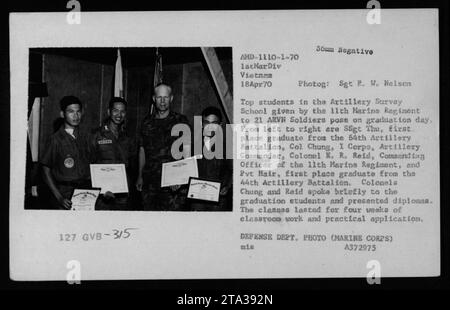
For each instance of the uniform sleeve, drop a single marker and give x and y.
(184, 120)
(132, 146)
(92, 146)
(227, 172)
(48, 155)
(139, 140)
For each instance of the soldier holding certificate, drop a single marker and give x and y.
(111, 145)
(214, 169)
(155, 145)
(65, 161)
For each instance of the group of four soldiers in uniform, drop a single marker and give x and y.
(65, 161)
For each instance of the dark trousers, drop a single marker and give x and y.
(221, 205)
(155, 198)
(119, 203)
(66, 191)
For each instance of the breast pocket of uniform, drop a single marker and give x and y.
(105, 149)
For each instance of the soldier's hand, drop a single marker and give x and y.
(174, 188)
(223, 191)
(66, 203)
(139, 183)
(109, 195)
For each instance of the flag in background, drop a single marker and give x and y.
(118, 81)
(158, 74)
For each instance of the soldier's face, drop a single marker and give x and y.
(211, 123)
(162, 98)
(72, 115)
(118, 113)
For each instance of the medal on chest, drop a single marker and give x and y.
(69, 162)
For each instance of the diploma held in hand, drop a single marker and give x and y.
(203, 190)
(109, 177)
(179, 172)
(84, 199)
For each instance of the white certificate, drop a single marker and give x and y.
(109, 177)
(204, 190)
(179, 172)
(84, 199)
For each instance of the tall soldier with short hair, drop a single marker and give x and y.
(155, 145)
(65, 161)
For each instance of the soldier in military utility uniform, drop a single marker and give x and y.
(65, 160)
(111, 145)
(214, 169)
(155, 144)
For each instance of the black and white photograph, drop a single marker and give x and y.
(92, 108)
(223, 145)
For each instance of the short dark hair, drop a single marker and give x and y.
(68, 100)
(117, 99)
(212, 110)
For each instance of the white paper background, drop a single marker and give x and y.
(207, 245)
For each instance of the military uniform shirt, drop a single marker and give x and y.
(157, 142)
(68, 158)
(107, 149)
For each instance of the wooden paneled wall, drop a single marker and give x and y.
(93, 84)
